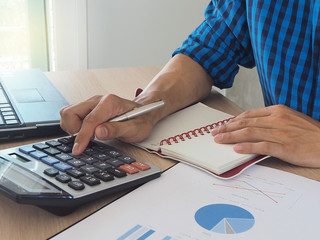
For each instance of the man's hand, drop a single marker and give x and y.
(89, 120)
(277, 131)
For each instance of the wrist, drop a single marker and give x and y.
(146, 97)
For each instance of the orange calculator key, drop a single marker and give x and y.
(140, 165)
(129, 169)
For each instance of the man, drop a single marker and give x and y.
(282, 38)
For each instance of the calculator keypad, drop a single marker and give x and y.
(98, 164)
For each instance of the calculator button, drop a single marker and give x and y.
(89, 169)
(104, 176)
(38, 155)
(26, 149)
(76, 185)
(66, 140)
(113, 153)
(9, 117)
(102, 165)
(64, 178)
(126, 159)
(51, 172)
(115, 162)
(51, 151)
(76, 163)
(40, 146)
(89, 160)
(129, 169)
(53, 143)
(6, 109)
(100, 148)
(75, 173)
(116, 172)
(101, 156)
(89, 151)
(90, 180)
(12, 121)
(62, 166)
(10, 113)
(77, 156)
(64, 148)
(50, 160)
(141, 166)
(63, 157)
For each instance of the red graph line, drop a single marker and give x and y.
(249, 189)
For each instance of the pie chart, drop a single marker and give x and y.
(224, 218)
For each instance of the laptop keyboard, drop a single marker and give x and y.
(7, 114)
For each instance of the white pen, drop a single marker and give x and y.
(137, 111)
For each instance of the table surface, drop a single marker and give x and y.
(19, 221)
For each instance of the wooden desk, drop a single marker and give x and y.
(29, 222)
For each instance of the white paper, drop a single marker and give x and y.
(182, 204)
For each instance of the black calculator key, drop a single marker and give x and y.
(75, 173)
(64, 157)
(102, 165)
(76, 163)
(64, 178)
(104, 176)
(66, 140)
(89, 160)
(51, 172)
(89, 151)
(89, 169)
(90, 180)
(100, 148)
(40, 146)
(76, 185)
(65, 148)
(77, 156)
(126, 159)
(113, 153)
(116, 172)
(115, 162)
(53, 143)
(101, 156)
(51, 151)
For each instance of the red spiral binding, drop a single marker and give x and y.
(193, 133)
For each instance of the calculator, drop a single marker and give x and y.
(48, 175)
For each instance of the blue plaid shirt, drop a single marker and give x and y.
(280, 37)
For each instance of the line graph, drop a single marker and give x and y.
(244, 185)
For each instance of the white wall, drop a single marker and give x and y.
(139, 32)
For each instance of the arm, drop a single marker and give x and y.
(180, 83)
(186, 79)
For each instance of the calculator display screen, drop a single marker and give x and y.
(21, 181)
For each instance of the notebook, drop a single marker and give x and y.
(29, 105)
(185, 136)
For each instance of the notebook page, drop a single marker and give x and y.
(190, 118)
(205, 152)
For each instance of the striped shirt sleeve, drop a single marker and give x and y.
(221, 42)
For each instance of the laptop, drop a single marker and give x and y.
(29, 105)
